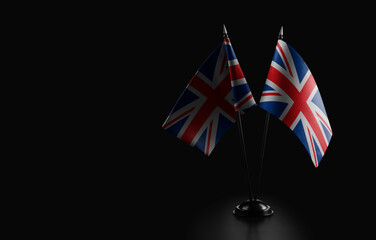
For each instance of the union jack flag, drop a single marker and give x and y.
(291, 94)
(207, 107)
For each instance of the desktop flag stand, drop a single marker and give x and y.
(218, 95)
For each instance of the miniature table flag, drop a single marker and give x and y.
(207, 107)
(291, 94)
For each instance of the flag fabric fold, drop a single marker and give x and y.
(207, 107)
(290, 93)
(243, 98)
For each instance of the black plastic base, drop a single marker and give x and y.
(252, 208)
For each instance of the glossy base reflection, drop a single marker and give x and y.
(253, 208)
(217, 222)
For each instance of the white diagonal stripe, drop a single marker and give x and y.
(233, 62)
(237, 82)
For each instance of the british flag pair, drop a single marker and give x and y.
(207, 107)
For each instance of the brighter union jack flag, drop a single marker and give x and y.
(206, 108)
(291, 94)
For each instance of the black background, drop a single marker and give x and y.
(136, 177)
(190, 196)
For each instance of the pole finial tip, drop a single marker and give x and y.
(280, 36)
(224, 31)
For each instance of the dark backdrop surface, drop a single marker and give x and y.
(173, 191)
(193, 195)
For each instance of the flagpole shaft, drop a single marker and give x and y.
(262, 152)
(245, 159)
(264, 137)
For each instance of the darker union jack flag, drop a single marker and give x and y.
(207, 107)
(291, 94)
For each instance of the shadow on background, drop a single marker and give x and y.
(217, 222)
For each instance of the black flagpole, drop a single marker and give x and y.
(264, 137)
(262, 152)
(241, 136)
(245, 159)
(254, 206)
